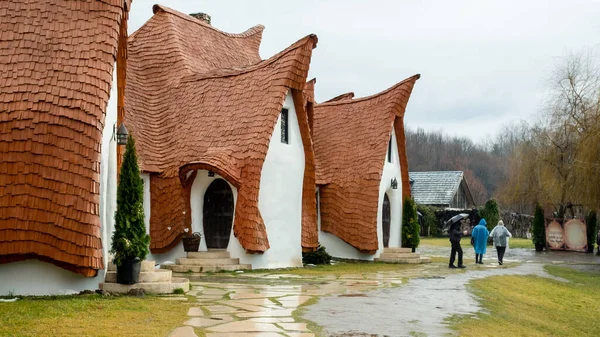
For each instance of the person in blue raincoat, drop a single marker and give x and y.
(480, 236)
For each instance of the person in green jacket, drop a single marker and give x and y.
(500, 234)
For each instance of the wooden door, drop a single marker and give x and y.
(218, 214)
(385, 221)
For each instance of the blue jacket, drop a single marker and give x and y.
(480, 235)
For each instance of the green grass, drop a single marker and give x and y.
(444, 242)
(534, 306)
(91, 315)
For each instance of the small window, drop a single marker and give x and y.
(284, 126)
(389, 152)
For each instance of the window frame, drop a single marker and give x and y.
(285, 129)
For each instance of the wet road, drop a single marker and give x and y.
(420, 307)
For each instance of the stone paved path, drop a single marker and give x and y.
(247, 309)
(360, 304)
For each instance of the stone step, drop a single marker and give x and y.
(147, 265)
(425, 259)
(157, 275)
(206, 262)
(403, 261)
(390, 256)
(151, 288)
(211, 254)
(397, 250)
(178, 268)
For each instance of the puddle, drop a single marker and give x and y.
(418, 307)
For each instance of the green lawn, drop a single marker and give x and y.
(535, 306)
(91, 315)
(444, 242)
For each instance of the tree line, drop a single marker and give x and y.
(553, 160)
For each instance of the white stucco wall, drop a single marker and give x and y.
(34, 277)
(280, 199)
(339, 248)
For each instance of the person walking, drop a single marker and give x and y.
(500, 234)
(455, 236)
(480, 235)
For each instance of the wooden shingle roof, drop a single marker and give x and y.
(436, 187)
(56, 61)
(351, 137)
(216, 113)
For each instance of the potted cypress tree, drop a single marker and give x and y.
(539, 229)
(129, 240)
(410, 225)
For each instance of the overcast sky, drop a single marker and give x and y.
(482, 63)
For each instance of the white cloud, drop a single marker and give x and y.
(482, 62)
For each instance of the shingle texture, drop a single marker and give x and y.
(57, 59)
(350, 139)
(199, 98)
(436, 187)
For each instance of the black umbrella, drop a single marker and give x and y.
(455, 219)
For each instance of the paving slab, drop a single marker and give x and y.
(202, 322)
(294, 326)
(221, 309)
(195, 312)
(268, 313)
(243, 334)
(185, 331)
(245, 326)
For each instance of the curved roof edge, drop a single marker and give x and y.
(339, 102)
(253, 30)
(230, 72)
(343, 97)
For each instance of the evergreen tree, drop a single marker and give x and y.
(539, 227)
(129, 240)
(592, 229)
(410, 224)
(490, 213)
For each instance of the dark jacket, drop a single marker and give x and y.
(455, 234)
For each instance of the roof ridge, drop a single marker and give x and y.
(249, 32)
(366, 98)
(341, 97)
(227, 72)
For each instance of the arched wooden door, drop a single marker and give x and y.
(218, 214)
(385, 221)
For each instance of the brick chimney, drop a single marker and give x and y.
(201, 16)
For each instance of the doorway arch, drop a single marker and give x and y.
(217, 214)
(386, 220)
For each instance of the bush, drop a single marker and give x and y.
(410, 224)
(592, 230)
(539, 226)
(430, 222)
(491, 213)
(129, 241)
(319, 256)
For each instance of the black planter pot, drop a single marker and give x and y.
(539, 247)
(129, 271)
(414, 249)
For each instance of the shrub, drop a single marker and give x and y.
(491, 213)
(410, 224)
(178, 291)
(430, 222)
(319, 256)
(539, 226)
(129, 241)
(592, 230)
